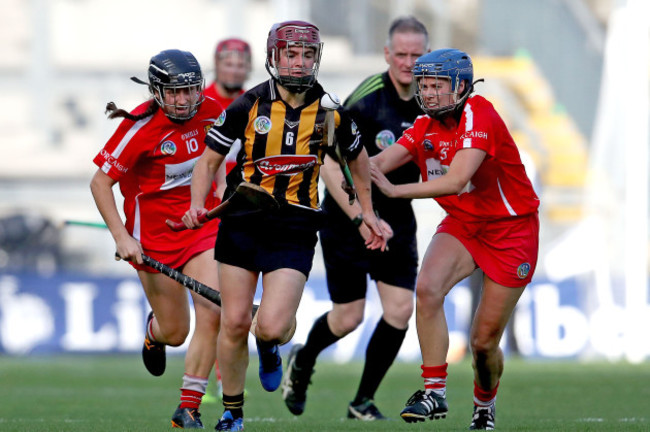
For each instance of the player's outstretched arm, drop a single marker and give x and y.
(391, 158)
(333, 177)
(455, 181)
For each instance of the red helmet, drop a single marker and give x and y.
(233, 45)
(232, 63)
(293, 33)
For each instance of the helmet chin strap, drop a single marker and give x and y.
(457, 108)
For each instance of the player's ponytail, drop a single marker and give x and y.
(115, 112)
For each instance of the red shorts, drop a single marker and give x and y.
(193, 243)
(505, 249)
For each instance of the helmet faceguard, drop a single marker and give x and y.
(172, 75)
(293, 34)
(450, 64)
(229, 72)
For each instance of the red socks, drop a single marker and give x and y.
(190, 399)
(192, 391)
(484, 397)
(435, 378)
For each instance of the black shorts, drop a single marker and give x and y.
(268, 241)
(348, 262)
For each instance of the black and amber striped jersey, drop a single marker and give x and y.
(282, 147)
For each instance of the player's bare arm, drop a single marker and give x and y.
(360, 169)
(333, 177)
(202, 177)
(126, 246)
(391, 158)
(460, 172)
(220, 179)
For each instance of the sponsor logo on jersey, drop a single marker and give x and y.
(384, 139)
(168, 148)
(474, 134)
(434, 168)
(221, 119)
(111, 160)
(286, 164)
(190, 134)
(408, 137)
(178, 174)
(262, 125)
(523, 270)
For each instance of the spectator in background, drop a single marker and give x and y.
(383, 106)
(232, 67)
(151, 156)
(471, 166)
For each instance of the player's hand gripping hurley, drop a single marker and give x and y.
(330, 103)
(245, 192)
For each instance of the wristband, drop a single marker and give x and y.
(358, 220)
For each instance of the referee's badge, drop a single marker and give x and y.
(262, 125)
(384, 139)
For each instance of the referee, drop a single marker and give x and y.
(383, 106)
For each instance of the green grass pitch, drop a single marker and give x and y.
(115, 393)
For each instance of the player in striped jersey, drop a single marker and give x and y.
(383, 106)
(281, 124)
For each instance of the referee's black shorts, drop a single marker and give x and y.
(269, 240)
(348, 262)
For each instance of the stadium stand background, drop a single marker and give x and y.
(64, 59)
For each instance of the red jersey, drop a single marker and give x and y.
(211, 92)
(152, 159)
(500, 187)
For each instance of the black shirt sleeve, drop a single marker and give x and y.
(348, 135)
(230, 126)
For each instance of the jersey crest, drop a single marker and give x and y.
(262, 125)
(221, 119)
(168, 148)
